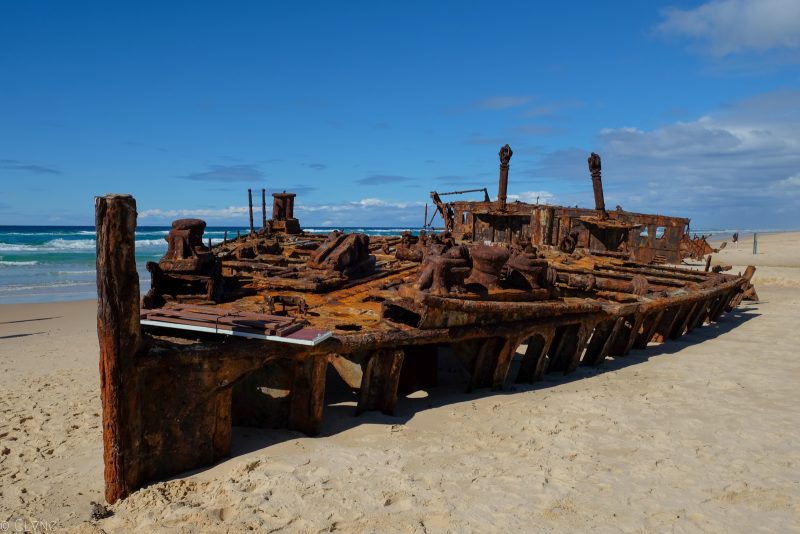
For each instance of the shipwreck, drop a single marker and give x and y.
(223, 326)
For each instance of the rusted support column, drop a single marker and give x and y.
(308, 395)
(700, 311)
(250, 206)
(225, 238)
(504, 358)
(505, 156)
(728, 303)
(597, 184)
(264, 208)
(602, 333)
(665, 326)
(708, 263)
(379, 385)
(484, 364)
(638, 321)
(118, 332)
(648, 329)
(534, 361)
(619, 346)
(565, 355)
(679, 326)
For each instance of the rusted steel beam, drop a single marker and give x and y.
(534, 360)
(638, 321)
(479, 356)
(620, 343)
(120, 336)
(649, 326)
(503, 363)
(600, 335)
(379, 385)
(308, 395)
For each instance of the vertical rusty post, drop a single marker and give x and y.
(597, 184)
(505, 156)
(118, 332)
(250, 205)
(755, 243)
(209, 242)
(264, 208)
(708, 263)
(225, 238)
(425, 218)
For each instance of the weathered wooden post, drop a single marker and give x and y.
(755, 243)
(118, 331)
(225, 238)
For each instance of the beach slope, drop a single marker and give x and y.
(698, 434)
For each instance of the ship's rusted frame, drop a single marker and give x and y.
(167, 398)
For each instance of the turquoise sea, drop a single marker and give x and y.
(53, 263)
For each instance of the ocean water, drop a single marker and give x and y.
(54, 263)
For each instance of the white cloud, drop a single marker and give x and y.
(216, 213)
(736, 165)
(533, 197)
(731, 26)
(364, 212)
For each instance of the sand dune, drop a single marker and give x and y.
(699, 434)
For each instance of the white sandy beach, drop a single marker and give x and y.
(698, 434)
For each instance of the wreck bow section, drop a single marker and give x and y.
(246, 331)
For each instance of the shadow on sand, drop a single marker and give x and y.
(340, 402)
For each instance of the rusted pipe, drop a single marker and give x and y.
(263, 208)
(250, 206)
(597, 184)
(505, 156)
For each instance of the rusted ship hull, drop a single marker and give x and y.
(274, 309)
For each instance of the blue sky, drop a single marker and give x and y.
(362, 108)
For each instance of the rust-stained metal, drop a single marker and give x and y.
(188, 268)
(283, 219)
(646, 238)
(561, 287)
(502, 190)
